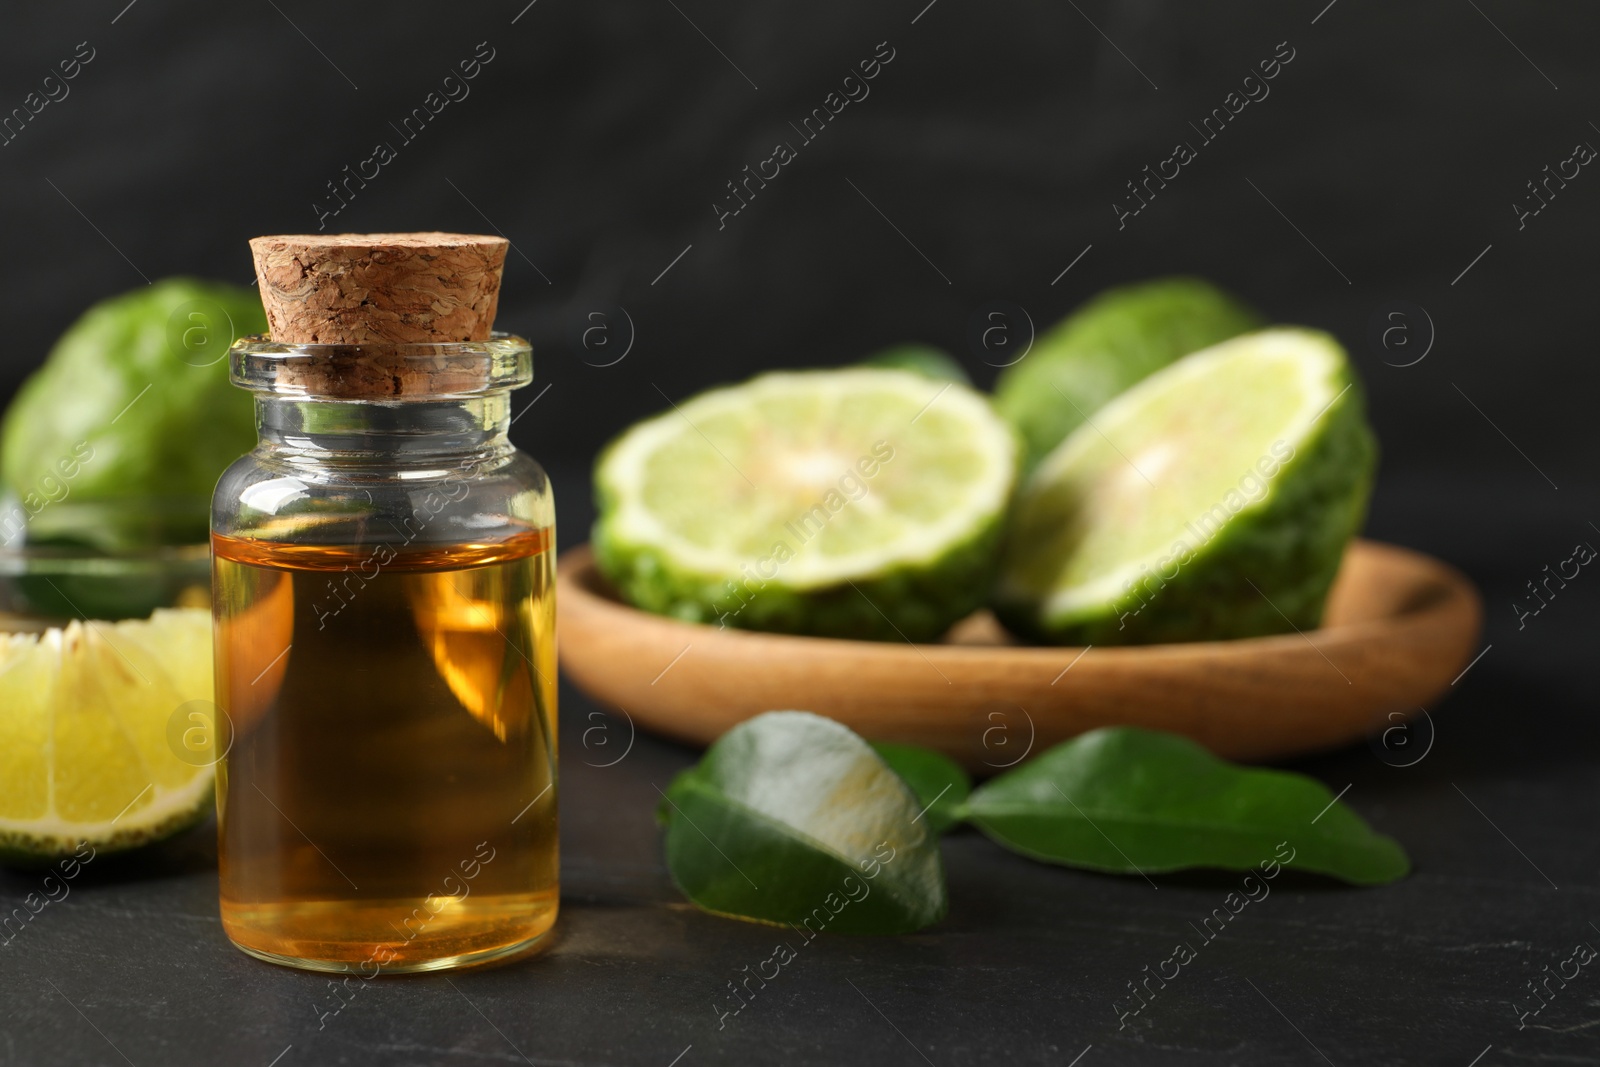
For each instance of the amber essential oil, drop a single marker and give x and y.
(388, 797)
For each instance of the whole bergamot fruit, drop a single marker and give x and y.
(133, 402)
(926, 360)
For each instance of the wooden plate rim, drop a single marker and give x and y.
(577, 577)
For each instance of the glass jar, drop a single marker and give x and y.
(384, 602)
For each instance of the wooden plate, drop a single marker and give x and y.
(1400, 627)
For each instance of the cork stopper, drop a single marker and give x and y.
(379, 290)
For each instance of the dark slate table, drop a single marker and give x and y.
(1033, 964)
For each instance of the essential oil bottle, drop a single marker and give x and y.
(384, 600)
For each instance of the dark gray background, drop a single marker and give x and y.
(996, 142)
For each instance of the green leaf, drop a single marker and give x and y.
(938, 781)
(792, 819)
(1137, 801)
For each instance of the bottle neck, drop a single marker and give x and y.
(395, 434)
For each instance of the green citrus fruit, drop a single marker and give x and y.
(133, 403)
(860, 503)
(89, 752)
(1212, 500)
(925, 360)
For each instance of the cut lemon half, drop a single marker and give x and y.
(106, 734)
(1212, 500)
(864, 502)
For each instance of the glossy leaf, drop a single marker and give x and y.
(938, 781)
(1136, 801)
(792, 819)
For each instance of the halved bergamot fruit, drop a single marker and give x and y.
(863, 502)
(86, 734)
(1212, 500)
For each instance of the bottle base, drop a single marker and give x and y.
(328, 935)
(482, 957)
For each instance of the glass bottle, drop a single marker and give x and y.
(384, 601)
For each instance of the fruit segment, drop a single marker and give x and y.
(86, 740)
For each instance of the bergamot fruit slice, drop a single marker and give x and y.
(1212, 500)
(863, 502)
(1108, 344)
(86, 734)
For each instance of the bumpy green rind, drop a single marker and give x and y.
(914, 601)
(133, 402)
(1118, 338)
(1290, 547)
(30, 850)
